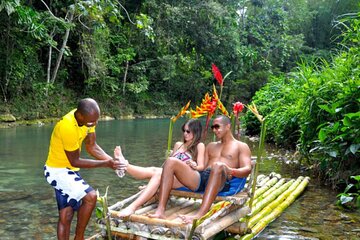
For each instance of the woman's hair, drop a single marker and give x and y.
(196, 129)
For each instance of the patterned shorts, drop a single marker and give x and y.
(69, 186)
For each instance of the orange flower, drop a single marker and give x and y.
(223, 109)
(220, 105)
(182, 112)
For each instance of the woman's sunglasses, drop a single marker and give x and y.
(187, 131)
(216, 126)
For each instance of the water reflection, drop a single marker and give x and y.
(28, 208)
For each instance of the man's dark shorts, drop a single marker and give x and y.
(204, 178)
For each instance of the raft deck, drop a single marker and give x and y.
(180, 203)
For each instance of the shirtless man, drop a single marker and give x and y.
(224, 159)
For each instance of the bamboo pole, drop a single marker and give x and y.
(262, 202)
(223, 222)
(240, 197)
(157, 221)
(265, 187)
(267, 209)
(121, 204)
(265, 220)
(269, 198)
(265, 190)
(269, 191)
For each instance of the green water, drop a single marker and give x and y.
(28, 209)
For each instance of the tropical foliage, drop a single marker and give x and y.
(350, 198)
(145, 57)
(317, 108)
(138, 56)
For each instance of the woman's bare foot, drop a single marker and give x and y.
(118, 153)
(124, 163)
(126, 212)
(142, 187)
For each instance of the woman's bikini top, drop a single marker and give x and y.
(183, 156)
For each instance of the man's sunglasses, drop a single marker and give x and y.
(216, 126)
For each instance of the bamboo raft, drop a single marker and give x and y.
(272, 195)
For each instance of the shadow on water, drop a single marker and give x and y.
(28, 209)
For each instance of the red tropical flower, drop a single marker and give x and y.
(238, 108)
(217, 74)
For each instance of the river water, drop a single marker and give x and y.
(28, 209)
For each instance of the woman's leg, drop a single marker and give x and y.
(174, 169)
(148, 192)
(142, 172)
(136, 171)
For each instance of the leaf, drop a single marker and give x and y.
(358, 201)
(326, 108)
(357, 178)
(333, 154)
(347, 121)
(322, 135)
(345, 199)
(348, 187)
(338, 110)
(354, 148)
(99, 212)
(353, 115)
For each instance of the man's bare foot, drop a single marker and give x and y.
(157, 215)
(188, 219)
(126, 212)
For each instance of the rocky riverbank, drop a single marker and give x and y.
(8, 120)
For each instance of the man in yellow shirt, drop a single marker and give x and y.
(62, 167)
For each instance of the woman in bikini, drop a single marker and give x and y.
(190, 151)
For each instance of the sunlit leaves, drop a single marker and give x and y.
(9, 5)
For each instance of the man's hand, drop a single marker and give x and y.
(118, 165)
(192, 164)
(229, 172)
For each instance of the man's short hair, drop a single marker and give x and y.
(224, 119)
(87, 106)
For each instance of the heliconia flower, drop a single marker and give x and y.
(217, 74)
(238, 107)
(215, 95)
(199, 112)
(223, 109)
(182, 112)
(254, 110)
(220, 105)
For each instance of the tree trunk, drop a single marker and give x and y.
(8, 53)
(61, 53)
(125, 76)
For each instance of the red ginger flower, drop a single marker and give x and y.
(217, 74)
(238, 108)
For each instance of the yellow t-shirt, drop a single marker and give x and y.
(67, 135)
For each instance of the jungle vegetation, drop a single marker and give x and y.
(151, 57)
